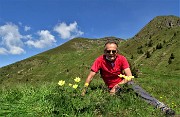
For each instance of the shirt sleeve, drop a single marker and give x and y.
(96, 65)
(125, 63)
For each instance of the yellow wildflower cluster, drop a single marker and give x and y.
(86, 84)
(77, 79)
(61, 82)
(75, 86)
(128, 78)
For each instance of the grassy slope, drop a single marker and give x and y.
(52, 100)
(75, 57)
(156, 75)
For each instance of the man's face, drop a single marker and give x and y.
(111, 51)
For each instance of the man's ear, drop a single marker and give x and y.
(117, 51)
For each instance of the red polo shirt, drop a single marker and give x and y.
(110, 70)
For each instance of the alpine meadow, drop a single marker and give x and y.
(50, 83)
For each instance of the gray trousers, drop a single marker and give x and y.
(144, 95)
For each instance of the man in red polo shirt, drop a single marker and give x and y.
(111, 64)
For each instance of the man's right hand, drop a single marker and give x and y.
(85, 88)
(113, 90)
(83, 92)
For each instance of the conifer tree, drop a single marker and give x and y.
(148, 55)
(170, 61)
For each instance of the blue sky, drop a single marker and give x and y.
(29, 27)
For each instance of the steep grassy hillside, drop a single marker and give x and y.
(155, 44)
(155, 47)
(73, 58)
(29, 87)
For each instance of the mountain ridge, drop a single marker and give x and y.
(75, 57)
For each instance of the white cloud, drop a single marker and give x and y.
(68, 32)
(27, 37)
(45, 39)
(3, 51)
(26, 28)
(16, 50)
(10, 38)
(12, 42)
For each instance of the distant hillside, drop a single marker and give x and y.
(66, 61)
(155, 47)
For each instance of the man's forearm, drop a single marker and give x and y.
(88, 81)
(127, 73)
(90, 76)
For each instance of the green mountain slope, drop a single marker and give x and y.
(159, 39)
(71, 59)
(75, 57)
(30, 87)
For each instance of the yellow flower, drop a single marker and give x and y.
(70, 84)
(161, 97)
(86, 84)
(75, 86)
(126, 77)
(77, 79)
(61, 82)
(120, 75)
(129, 78)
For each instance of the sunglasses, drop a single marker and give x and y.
(109, 51)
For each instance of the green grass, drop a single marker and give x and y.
(163, 86)
(50, 99)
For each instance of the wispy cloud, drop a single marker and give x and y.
(3, 51)
(26, 28)
(68, 31)
(10, 39)
(45, 39)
